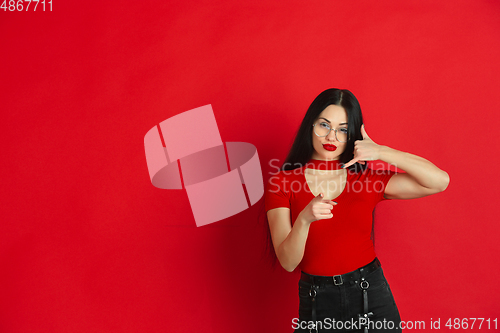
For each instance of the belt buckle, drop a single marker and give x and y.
(337, 280)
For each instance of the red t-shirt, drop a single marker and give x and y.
(341, 244)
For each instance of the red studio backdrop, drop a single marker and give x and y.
(88, 244)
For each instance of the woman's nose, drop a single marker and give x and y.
(331, 136)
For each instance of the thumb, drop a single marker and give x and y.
(321, 198)
(363, 132)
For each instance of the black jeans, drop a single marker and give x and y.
(338, 307)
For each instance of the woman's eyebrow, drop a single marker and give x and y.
(331, 122)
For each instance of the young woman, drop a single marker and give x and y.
(320, 213)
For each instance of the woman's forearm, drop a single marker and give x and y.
(291, 250)
(422, 170)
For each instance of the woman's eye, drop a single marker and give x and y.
(343, 130)
(324, 125)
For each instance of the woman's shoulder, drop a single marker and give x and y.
(372, 173)
(284, 178)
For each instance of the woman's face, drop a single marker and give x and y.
(328, 147)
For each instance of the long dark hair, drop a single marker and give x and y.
(302, 148)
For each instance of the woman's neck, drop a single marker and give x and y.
(324, 165)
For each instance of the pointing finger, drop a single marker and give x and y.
(348, 164)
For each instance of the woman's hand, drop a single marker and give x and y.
(364, 150)
(317, 209)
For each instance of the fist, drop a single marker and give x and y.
(318, 209)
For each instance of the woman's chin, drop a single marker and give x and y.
(334, 155)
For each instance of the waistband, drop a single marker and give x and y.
(337, 280)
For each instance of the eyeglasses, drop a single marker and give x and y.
(322, 129)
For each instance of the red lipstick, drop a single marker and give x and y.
(330, 147)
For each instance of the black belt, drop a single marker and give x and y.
(338, 280)
(354, 277)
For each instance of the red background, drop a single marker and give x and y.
(89, 245)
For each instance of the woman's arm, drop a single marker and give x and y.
(290, 242)
(422, 178)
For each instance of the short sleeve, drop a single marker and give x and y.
(380, 179)
(276, 195)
